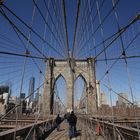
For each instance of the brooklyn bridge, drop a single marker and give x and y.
(70, 57)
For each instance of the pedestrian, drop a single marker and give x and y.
(65, 117)
(72, 120)
(57, 122)
(68, 114)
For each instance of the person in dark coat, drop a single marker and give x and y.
(65, 117)
(72, 120)
(57, 122)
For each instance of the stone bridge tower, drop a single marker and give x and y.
(84, 68)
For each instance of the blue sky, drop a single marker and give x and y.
(12, 66)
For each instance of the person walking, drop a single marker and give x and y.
(57, 122)
(65, 117)
(72, 120)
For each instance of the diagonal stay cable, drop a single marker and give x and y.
(24, 67)
(62, 43)
(82, 20)
(47, 23)
(104, 19)
(121, 31)
(127, 70)
(22, 55)
(120, 57)
(119, 94)
(37, 90)
(38, 67)
(3, 116)
(99, 44)
(106, 64)
(58, 15)
(27, 53)
(92, 20)
(23, 22)
(15, 27)
(41, 38)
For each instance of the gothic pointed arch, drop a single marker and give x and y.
(58, 76)
(83, 78)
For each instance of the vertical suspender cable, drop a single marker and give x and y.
(23, 72)
(66, 31)
(126, 64)
(107, 74)
(92, 29)
(75, 29)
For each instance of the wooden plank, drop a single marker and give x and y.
(21, 131)
(84, 133)
(62, 134)
(4, 126)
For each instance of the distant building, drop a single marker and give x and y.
(12, 99)
(37, 96)
(117, 104)
(12, 103)
(122, 100)
(3, 103)
(4, 89)
(5, 92)
(31, 88)
(22, 96)
(40, 102)
(6, 98)
(98, 93)
(103, 100)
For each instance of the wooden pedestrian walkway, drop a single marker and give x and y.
(83, 133)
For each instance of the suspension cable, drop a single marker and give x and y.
(75, 29)
(86, 22)
(106, 63)
(54, 25)
(32, 44)
(122, 30)
(103, 20)
(65, 24)
(46, 23)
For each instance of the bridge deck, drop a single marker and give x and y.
(83, 133)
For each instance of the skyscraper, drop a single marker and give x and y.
(37, 96)
(122, 99)
(31, 88)
(98, 93)
(103, 100)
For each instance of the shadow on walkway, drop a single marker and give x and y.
(78, 133)
(61, 130)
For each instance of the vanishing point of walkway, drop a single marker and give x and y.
(83, 133)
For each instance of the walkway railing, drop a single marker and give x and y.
(35, 131)
(110, 130)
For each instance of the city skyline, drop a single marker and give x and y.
(31, 88)
(12, 66)
(77, 60)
